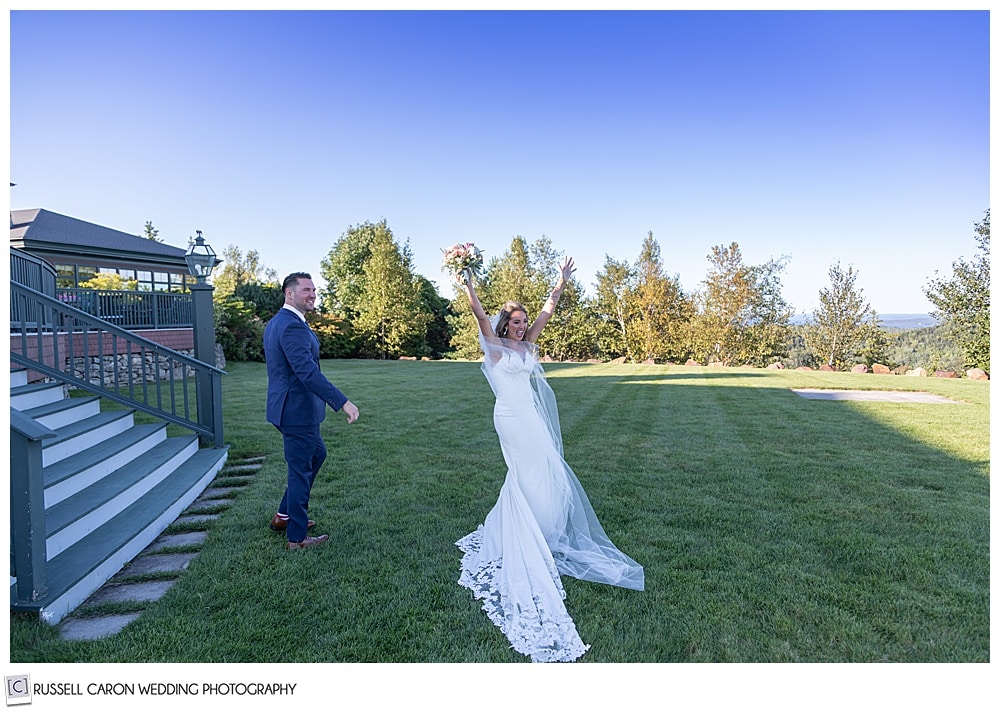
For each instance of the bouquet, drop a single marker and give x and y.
(460, 258)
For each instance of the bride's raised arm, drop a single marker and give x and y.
(550, 304)
(477, 309)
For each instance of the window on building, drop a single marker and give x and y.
(176, 282)
(65, 275)
(85, 273)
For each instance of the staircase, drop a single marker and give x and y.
(111, 486)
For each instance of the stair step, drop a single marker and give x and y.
(35, 395)
(72, 474)
(75, 517)
(74, 438)
(63, 412)
(18, 377)
(85, 566)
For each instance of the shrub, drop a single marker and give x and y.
(336, 336)
(239, 331)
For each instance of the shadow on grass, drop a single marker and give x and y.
(772, 528)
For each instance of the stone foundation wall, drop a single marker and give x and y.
(147, 367)
(110, 357)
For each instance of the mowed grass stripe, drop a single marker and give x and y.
(771, 528)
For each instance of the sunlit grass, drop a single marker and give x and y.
(771, 527)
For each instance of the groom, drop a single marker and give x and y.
(297, 396)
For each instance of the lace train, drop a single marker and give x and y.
(541, 629)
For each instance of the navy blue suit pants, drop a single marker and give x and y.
(305, 453)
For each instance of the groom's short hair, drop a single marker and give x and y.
(293, 280)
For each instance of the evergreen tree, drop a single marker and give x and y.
(438, 331)
(513, 277)
(929, 348)
(658, 307)
(526, 274)
(392, 318)
(151, 233)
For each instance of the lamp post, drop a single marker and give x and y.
(201, 260)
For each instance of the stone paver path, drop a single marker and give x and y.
(875, 396)
(126, 585)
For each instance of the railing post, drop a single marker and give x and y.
(209, 401)
(27, 507)
(156, 309)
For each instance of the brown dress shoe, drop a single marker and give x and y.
(279, 524)
(308, 542)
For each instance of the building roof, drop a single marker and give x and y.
(52, 233)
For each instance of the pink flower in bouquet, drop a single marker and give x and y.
(459, 258)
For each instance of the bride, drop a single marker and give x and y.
(542, 524)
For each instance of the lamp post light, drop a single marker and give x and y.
(201, 260)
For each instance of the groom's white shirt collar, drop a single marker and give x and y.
(294, 310)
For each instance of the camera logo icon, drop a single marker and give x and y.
(18, 690)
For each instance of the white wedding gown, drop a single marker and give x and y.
(542, 524)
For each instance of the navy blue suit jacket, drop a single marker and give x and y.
(297, 392)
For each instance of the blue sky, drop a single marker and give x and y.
(856, 136)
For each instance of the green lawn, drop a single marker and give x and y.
(772, 528)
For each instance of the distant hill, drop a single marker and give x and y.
(889, 321)
(905, 321)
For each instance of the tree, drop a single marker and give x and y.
(392, 318)
(526, 273)
(571, 332)
(246, 296)
(873, 344)
(439, 308)
(929, 348)
(151, 233)
(343, 268)
(513, 277)
(372, 287)
(335, 335)
(962, 302)
(263, 299)
(743, 319)
(839, 323)
(767, 317)
(659, 309)
(239, 269)
(612, 306)
(239, 331)
(568, 335)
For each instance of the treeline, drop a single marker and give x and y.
(376, 306)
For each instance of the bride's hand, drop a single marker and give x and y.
(568, 268)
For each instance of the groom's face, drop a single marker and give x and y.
(301, 295)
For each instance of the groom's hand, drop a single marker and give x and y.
(352, 411)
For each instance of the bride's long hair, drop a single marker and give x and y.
(503, 318)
